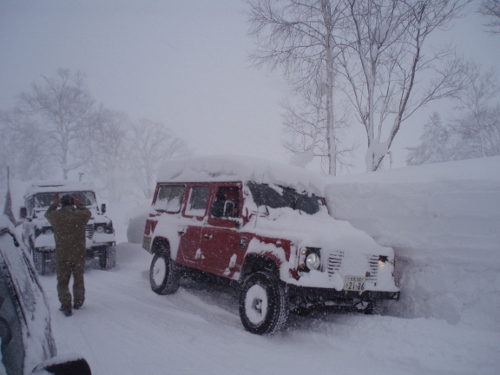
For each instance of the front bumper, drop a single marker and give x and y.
(309, 297)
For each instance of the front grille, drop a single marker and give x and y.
(89, 230)
(334, 262)
(371, 275)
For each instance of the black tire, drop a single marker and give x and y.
(263, 304)
(301, 311)
(164, 275)
(107, 258)
(39, 261)
(374, 308)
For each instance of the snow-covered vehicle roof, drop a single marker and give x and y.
(55, 186)
(220, 168)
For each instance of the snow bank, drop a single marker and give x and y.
(443, 221)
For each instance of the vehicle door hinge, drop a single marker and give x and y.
(243, 243)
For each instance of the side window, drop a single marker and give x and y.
(227, 202)
(198, 199)
(169, 198)
(44, 199)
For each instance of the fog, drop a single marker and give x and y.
(184, 64)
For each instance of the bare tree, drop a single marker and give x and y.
(25, 147)
(65, 108)
(110, 159)
(151, 143)
(384, 59)
(474, 131)
(491, 10)
(479, 122)
(305, 129)
(299, 37)
(434, 144)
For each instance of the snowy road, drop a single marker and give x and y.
(125, 328)
(443, 222)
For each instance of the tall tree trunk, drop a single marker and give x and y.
(330, 130)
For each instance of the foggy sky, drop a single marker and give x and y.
(183, 63)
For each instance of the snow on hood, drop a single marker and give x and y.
(241, 168)
(318, 230)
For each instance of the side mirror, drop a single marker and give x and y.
(103, 208)
(23, 212)
(63, 365)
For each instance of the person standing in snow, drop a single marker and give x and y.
(68, 224)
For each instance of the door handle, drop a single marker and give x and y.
(207, 236)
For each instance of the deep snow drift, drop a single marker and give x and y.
(442, 220)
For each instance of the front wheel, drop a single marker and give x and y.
(164, 275)
(263, 304)
(107, 258)
(39, 260)
(376, 307)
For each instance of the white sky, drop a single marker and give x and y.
(182, 63)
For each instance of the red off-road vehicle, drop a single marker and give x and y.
(266, 227)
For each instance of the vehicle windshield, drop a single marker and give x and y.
(43, 200)
(278, 197)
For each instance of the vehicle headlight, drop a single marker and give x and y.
(312, 261)
(382, 259)
(104, 228)
(309, 259)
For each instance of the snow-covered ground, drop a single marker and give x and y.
(443, 221)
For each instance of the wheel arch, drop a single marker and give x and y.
(257, 262)
(160, 244)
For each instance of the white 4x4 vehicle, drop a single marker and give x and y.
(37, 232)
(265, 227)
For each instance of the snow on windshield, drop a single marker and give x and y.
(240, 168)
(44, 200)
(274, 197)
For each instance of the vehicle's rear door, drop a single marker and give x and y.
(190, 252)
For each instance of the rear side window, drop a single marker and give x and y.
(169, 198)
(198, 200)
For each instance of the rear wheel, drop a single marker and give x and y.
(263, 304)
(164, 275)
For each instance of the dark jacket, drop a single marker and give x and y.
(68, 224)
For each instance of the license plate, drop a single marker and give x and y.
(354, 283)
